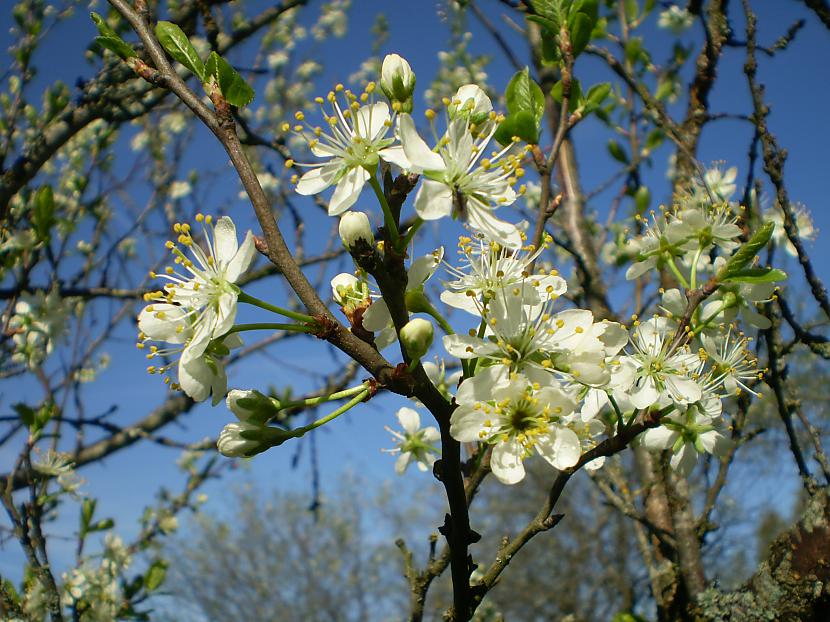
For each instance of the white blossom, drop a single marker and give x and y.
(517, 418)
(414, 444)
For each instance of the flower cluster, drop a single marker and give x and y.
(460, 179)
(39, 321)
(196, 308)
(537, 377)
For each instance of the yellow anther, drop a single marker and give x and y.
(299, 115)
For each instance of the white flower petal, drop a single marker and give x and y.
(225, 243)
(466, 424)
(348, 190)
(409, 419)
(164, 329)
(402, 462)
(242, 259)
(658, 438)
(560, 448)
(396, 155)
(434, 200)
(370, 120)
(506, 462)
(482, 218)
(377, 316)
(318, 179)
(467, 347)
(417, 151)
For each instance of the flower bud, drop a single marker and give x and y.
(251, 406)
(416, 337)
(245, 439)
(355, 227)
(397, 81)
(470, 102)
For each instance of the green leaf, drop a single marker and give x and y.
(87, 511)
(757, 275)
(746, 254)
(110, 39)
(543, 22)
(155, 575)
(581, 33)
(173, 39)
(633, 48)
(665, 87)
(642, 199)
(654, 139)
(119, 47)
(617, 151)
(596, 95)
(524, 94)
(26, 413)
(43, 215)
(102, 525)
(104, 29)
(575, 99)
(233, 86)
(521, 124)
(632, 10)
(550, 10)
(589, 8)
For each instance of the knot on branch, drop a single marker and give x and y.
(326, 327)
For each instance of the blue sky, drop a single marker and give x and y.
(797, 88)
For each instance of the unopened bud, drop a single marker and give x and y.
(470, 102)
(354, 228)
(416, 337)
(397, 81)
(243, 439)
(251, 405)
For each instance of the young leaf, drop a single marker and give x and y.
(87, 511)
(575, 99)
(521, 124)
(632, 10)
(173, 39)
(110, 40)
(757, 275)
(744, 255)
(234, 89)
(155, 575)
(581, 33)
(596, 95)
(617, 152)
(43, 215)
(524, 94)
